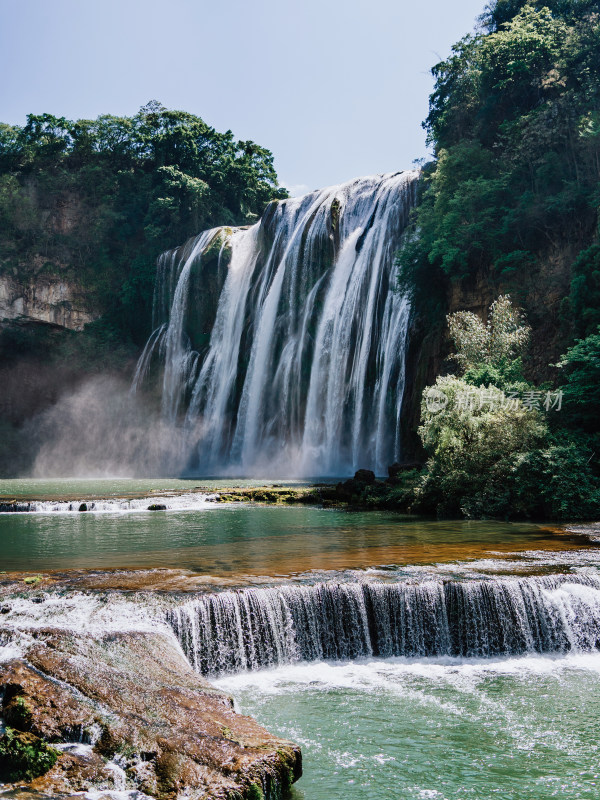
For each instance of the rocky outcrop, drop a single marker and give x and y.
(126, 711)
(43, 256)
(43, 299)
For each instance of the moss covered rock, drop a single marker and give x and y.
(23, 756)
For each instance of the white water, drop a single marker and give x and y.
(304, 372)
(255, 628)
(376, 674)
(116, 505)
(516, 728)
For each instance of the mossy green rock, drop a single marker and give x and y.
(24, 756)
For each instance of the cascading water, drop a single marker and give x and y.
(253, 628)
(283, 344)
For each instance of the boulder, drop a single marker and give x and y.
(364, 476)
(146, 716)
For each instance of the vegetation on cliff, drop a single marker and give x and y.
(511, 202)
(96, 201)
(514, 121)
(92, 204)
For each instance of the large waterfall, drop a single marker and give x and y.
(280, 347)
(253, 628)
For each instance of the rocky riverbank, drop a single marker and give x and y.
(86, 712)
(363, 491)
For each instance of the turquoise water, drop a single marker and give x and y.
(41, 488)
(523, 728)
(229, 540)
(516, 729)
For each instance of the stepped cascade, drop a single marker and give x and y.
(248, 629)
(282, 345)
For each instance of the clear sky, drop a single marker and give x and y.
(335, 89)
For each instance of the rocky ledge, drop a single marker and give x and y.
(125, 711)
(363, 491)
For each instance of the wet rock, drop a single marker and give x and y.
(364, 476)
(83, 507)
(157, 507)
(5, 610)
(135, 698)
(76, 772)
(14, 507)
(48, 709)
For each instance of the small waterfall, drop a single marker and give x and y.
(282, 345)
(249, 629)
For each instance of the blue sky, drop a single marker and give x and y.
(335, 89)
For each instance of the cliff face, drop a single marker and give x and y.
(43, 299)
(42, 260)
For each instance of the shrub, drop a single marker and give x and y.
(492, 458)
(495, 346)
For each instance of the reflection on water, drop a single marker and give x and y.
(253, 540)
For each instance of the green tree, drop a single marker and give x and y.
(514, 120)
(497, 344)
(141, 185)
(581, 367)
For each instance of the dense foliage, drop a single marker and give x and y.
(580, 367)
(514, 121)
(98, 200)
(503, 448)
(511, 202)
(23, 756)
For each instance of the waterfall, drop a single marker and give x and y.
(248, 629)
(281, 346)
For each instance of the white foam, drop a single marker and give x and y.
(113, 794)
(9, 651)
(179, 502)
(390, 674)
(75, 748)
(92, 613)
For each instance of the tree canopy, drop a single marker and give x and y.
(142, 184)
(514, 121)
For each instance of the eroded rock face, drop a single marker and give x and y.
(149, 722)
(51, 300)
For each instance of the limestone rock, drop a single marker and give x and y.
(148, 718)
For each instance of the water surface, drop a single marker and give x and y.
(245, 539)
(514, 729)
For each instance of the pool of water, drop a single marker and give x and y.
(521, 728)
(514, 729)
(83, 488)
(236, 540)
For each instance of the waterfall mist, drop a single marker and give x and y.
(101, 430)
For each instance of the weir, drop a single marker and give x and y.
(233, 631)
(282, 346)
